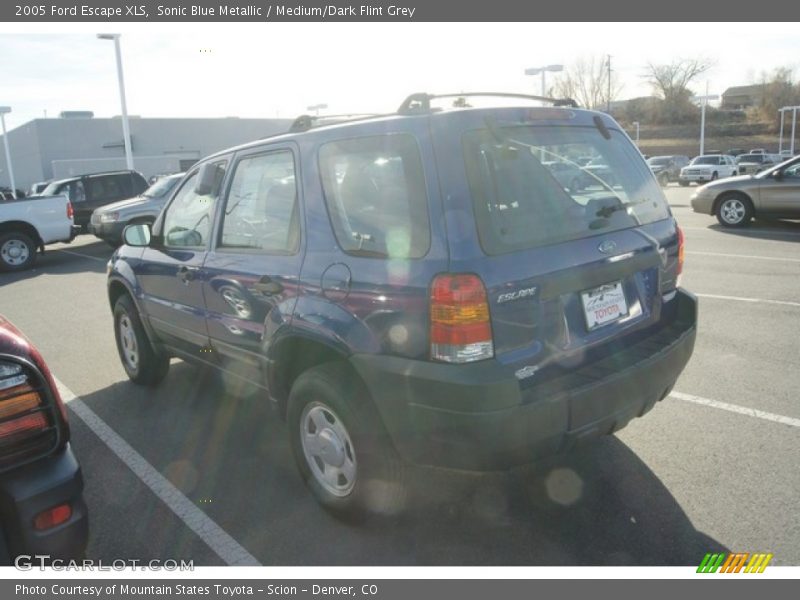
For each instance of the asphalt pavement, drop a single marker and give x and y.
(195, 469)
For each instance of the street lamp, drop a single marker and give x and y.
(543, 70)
(316, 108)
(126, 132)
(794, 110)
(4, 110)
(704, 100)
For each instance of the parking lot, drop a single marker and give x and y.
(199, 468)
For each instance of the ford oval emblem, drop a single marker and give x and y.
(607, 247)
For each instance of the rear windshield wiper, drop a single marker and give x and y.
(607, 210)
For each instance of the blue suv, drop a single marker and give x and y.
(417, 288)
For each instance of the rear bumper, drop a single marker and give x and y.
(479, 417)
(29, 490)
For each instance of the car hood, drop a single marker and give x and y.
(728, 183)
(128, 203)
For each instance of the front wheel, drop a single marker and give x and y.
(142, 364)
(734, 211)
(714, 176)
(340, 445)
(17, 251)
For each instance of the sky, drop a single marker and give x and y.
(267, 70)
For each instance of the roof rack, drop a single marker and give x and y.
(306, 122)
(421, 102)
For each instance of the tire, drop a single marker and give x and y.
(17, 251)
(714, 176)
(734, 210)
(684, 183)
(341, 448)
(143, 365)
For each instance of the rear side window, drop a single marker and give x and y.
(104, 189)
(522, 201)
(375, 192)
(261, 211)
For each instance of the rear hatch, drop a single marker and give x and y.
(569, 273)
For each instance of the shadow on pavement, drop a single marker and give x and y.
(229, 453)
(60, 260)
(782, 231)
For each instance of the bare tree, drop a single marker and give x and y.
(671, 82)
(586, 81)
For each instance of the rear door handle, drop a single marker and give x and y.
(187, 274)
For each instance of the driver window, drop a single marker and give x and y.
(792, 172)
(188, 220)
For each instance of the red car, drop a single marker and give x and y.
(41, 487)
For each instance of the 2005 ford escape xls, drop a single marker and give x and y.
(418, 287)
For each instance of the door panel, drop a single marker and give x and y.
(250, 277)
(782, 196)
(170, 272)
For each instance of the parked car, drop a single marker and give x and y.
(107, 222)
(568, 175)
(748, 164)
(758, 151)
(28, 224)
(41, 486)
(707, 167)
(37, 188)
(667, 168)
(772, 193)
(429, 294)
(88, 192)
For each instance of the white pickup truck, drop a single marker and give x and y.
(27, 224)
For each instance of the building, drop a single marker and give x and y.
(743, 96)
(77, 143)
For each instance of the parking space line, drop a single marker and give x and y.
(227, 548)
(745, 232)
(776, 258)
(81, 255)
(755, 300)
(735, 408)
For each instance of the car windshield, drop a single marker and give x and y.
(519, 203)
(161, 187)
(706, 160)
(658, 161)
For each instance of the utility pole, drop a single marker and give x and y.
(608, 99)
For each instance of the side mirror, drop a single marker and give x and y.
(208, 179)
(777, 174)
(137, 234)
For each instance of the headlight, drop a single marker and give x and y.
(109, 217)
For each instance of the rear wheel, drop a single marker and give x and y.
(340, 445)
(142, 364)
(17, 251)
(734, 210)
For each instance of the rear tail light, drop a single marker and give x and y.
(681, 252)
(460, 328)
(52, 517)
(70, 211)
(28, 421)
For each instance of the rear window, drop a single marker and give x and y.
(519, 203)
(375, 192)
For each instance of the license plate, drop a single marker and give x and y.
(604, 305)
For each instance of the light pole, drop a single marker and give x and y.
(637, 131)
(4, 110)
(126, 132)
(705, 100)
(543, 70)
(794, 110)
(316, 108)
